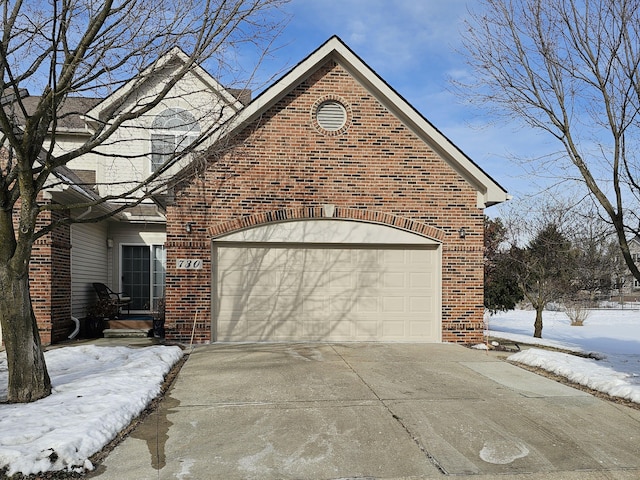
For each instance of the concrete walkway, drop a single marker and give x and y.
(383, 411)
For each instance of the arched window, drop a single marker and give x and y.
(172, 131)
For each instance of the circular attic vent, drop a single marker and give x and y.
(331, 115)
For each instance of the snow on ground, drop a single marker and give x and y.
(611, 336)
(97, 391)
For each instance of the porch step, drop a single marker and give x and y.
(125, 333)
(131, 324)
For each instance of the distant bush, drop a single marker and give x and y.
(577, 312)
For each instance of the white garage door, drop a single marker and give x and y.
(291, 293)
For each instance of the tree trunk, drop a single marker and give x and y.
(28, 376)
(537, 326)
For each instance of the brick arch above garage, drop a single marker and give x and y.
(320, 212)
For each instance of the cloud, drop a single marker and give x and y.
(399, 34)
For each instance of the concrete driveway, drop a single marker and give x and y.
(338, 411)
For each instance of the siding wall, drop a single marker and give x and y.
(125, 158)
(88, 264)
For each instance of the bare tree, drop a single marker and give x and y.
(596, 249)
(571, 69)
(88, 48)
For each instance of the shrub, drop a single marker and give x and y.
(577, 313)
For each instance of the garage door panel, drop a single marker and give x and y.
(393, 258)
(340, 280)
(231, 303)
(421, 280)
(367, 330)
(393, 280)
(302, 258)
(260, 303)
(367, 258)
(234, 278)
(370, 280)
(420, 305)
(316, 329)
(340, 304)
(314, 308)
(333, 294)
(340, 258)
(301, 281)
(366, 305)
(422, 329)
(393, 304)
(417, 257)
(394, 328)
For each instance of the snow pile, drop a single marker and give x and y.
(583, 371)
(97, 391)
(610, 336)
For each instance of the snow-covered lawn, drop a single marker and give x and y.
(611, 336)
(97, 391)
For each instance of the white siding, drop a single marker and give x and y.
(128, 151)
(88, 264)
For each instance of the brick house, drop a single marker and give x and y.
(336, 212)
(333, 211)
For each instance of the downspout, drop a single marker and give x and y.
(77, 330)
(75, 320)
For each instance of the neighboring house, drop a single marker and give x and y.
(127, 251)
(341, 214)
(628, 286)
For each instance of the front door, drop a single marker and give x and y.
(136, 275)
(143, 274)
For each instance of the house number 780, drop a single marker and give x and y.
(189, 264)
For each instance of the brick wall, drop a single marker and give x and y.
(284, 166)
(50, 280)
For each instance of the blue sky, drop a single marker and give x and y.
(414, 45)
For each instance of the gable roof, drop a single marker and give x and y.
(174, 54)
(489, 191)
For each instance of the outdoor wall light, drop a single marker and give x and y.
(189, 227)
(462, 232)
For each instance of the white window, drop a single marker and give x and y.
(172, 131)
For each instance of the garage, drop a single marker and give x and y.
(326, 280)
